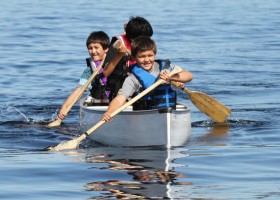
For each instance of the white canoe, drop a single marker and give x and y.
(138, 128)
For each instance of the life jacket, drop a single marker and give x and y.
(97, 90)
(117, 77)
(162, 96)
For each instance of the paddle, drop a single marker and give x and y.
(206, 104)
(73, 144)
(57, 122)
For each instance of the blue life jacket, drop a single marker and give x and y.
(163, 95)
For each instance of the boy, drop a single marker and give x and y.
(98, 44)
(144, 73)
(118, 61)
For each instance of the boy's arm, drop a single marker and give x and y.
(183, 76)
(62, 112)
(113, 58)
(116, 103)
(111, 65)
(128, 89)
(84, 77)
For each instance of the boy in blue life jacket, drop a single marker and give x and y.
(143, 74)
(97, 43)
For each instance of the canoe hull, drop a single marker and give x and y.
(138, 128)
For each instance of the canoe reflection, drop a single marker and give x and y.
(152, 172)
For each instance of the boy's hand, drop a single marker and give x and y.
(61, 115)
(165, 75)
(178, 84)
(107, 117)
(121, 48)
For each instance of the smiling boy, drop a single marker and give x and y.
(97, 44)
(144, 73)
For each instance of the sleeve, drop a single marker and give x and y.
(84, 78)
(130, 86)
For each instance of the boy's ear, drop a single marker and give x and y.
(106, 50)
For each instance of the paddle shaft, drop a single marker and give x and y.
(58, 121)
(83, 89)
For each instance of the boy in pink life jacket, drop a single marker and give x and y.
(117, 62)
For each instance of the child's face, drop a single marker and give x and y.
(146, 59)
(96, 51)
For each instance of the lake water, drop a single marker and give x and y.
(231, 47)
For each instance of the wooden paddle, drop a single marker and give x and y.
(57, 122)
(206, 104)
(73, 144)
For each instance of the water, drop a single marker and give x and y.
(232, 49)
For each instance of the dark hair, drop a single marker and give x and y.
(99, 37)
(138, 26)
(143, 43)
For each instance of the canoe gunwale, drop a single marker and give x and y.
(101, 109)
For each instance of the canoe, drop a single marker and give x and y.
(165, 127)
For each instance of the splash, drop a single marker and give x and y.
(6, 111)
(11, 114)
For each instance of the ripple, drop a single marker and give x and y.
(229, 122)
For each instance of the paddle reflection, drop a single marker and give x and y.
(151, 170)
(215, 134)
(219, 130)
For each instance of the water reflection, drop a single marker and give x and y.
(220, 130)
(152, 172)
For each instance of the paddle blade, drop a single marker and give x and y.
(55, 123)
(67, 145)
(74, 144)
(208, 105)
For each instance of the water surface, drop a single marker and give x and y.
(232, 49)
